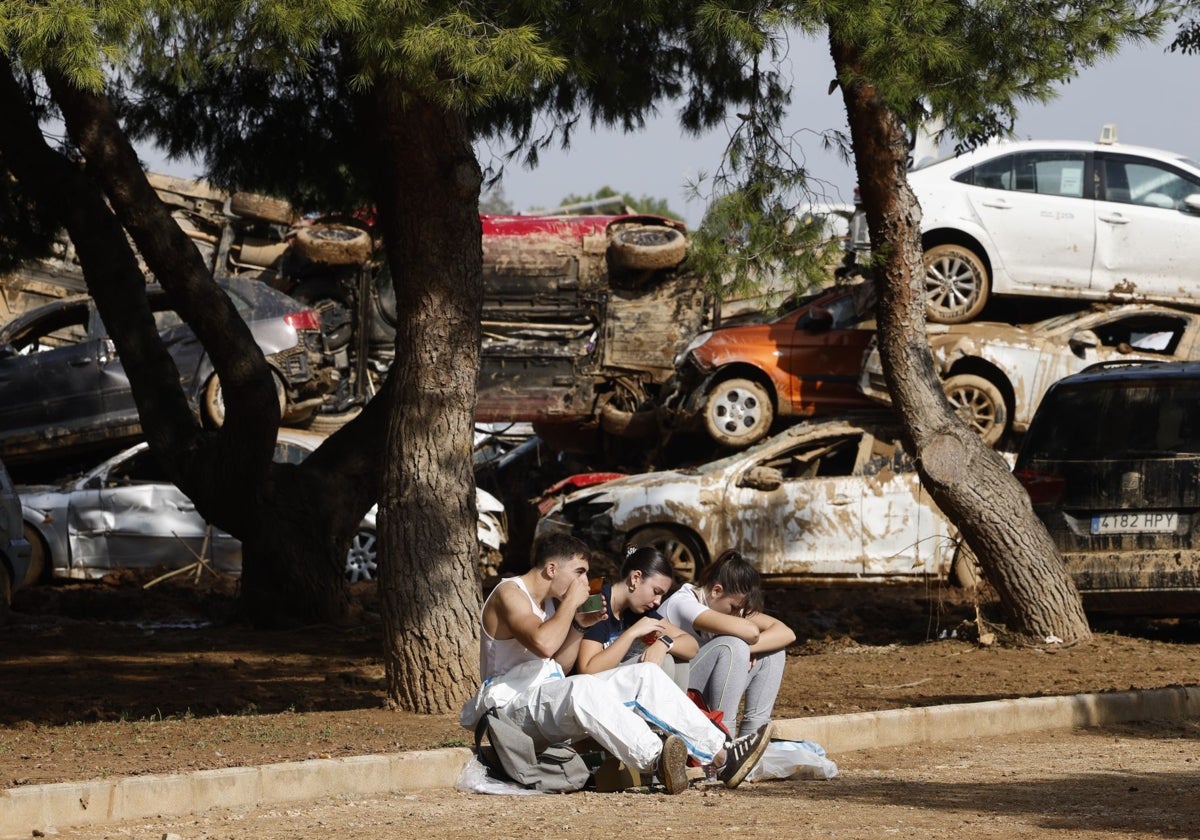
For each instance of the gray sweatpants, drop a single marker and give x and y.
(722, 673)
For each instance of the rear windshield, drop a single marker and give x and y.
(1107, 420)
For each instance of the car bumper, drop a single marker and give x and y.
(1163, 582)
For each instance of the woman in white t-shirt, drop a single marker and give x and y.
(741, 656)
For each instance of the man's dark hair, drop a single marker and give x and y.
(559, 547)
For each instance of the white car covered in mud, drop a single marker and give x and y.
(124, 513)
(833, 501)
(996, 374)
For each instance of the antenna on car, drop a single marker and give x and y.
(1108, 133)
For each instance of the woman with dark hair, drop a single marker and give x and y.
(634, 631)
(741, 651)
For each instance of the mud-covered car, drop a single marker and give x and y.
(14, 548)
(738, 380)
(63, 388)
(829, 502)
(124, 513)
(995, 374)
(1111, 462)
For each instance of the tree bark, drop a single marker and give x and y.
(427, 186)
(294, 522)
(970, 481)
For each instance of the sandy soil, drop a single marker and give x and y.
(109, 679)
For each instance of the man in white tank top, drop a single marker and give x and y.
(528, 643)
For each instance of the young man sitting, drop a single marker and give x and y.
(530, 637)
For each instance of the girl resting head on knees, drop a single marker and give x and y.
(634, 631)
(741, 649)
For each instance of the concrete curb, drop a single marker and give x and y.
(23, 809)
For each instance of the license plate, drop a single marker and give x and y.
(1135, 523)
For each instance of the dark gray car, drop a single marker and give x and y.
(1112, 465)
(63, 387)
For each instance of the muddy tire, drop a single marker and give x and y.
(326, 423)
(361, 557)
(264, 207)
(956, 284)
(646, 248)
(979, 404)
(214, 400)
(738, 413)
(964, 568)
(683, 548)
(333, 244)
(37, 558)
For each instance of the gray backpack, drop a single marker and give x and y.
(509, 755)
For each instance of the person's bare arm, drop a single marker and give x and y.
(594, 657)
(722, 624)
(773, 634)
(516, 616)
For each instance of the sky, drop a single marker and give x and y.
(1143, 91)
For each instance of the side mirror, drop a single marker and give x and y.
(1082, 341)
(815, 320)
(762, 478)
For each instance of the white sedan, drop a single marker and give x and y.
(125, 514)
(828, 501)
(1095, 221)
(995, 374)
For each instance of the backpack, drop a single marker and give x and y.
(510, 756)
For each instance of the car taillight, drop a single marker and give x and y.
(1043, 488)
(305, 319)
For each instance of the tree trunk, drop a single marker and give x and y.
(427, 185)
(294, 522)
(969, 481)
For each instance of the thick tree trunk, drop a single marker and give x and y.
(428, 198)
(970, 481)
(295, 523)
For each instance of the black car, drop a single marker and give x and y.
(62, 387)
(1111, 463)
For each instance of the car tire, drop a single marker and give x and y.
(738, 413)
(964, 568)
(328, 422)
(683, 548)
(333, 244)
(361, 556)
(956, 284)
(37, 571)
(264, 207)
(646, 248)
(214, 400)
(978, 403)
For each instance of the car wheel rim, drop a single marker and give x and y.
(975, 409)
(360, 559)
(950, 284)
(737, 412)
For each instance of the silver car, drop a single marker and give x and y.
(830, 501)
(126, 514)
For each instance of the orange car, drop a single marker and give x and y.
(805, 363)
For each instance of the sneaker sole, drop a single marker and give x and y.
(672, 765)
(748, 765)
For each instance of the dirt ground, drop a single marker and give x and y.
(110, 679)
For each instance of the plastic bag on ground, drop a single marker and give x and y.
(475, 779)
(793, 760)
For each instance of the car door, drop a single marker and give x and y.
(797, 509)
(822, 350)
(49, 375)
(1147, 240)
(1038, 210)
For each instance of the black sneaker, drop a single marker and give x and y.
(741, 757)
(672, 764)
